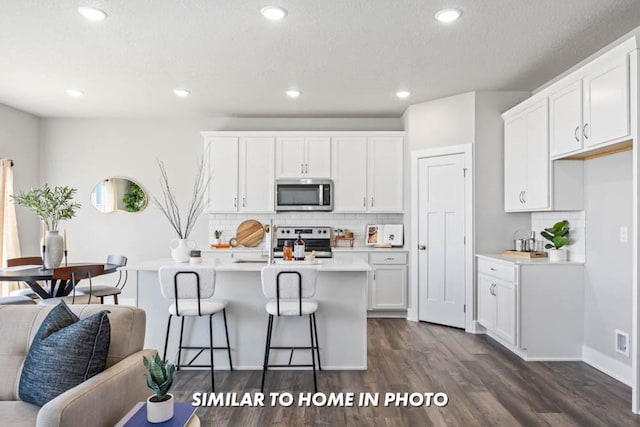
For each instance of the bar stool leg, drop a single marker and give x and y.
(226, 332)
(166, 339)
(315, 331)
(180, 344)
(313, 355)
(267, 346)
(211, 350)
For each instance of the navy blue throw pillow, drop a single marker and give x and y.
(65, 352)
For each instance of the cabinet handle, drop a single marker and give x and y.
(244, 201)
(302, 168)
(374, 275)
(306, 168)
(492, 289)
(372, 202)
(575, 133)
(524, 197)
(389, 258)
(584, 130)
(520, 197)
(235, 202)
(364, 202)
(492, 269)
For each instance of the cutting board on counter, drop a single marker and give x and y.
(250, 233)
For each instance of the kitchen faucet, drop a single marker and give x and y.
(271, 229)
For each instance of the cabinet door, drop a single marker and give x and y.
(385, 174)
(223, 173)
(349, 165)
(486, 302)
(318, 157)
(515, 162)
(256, 174)
(388, 289)
(565, 120)
(505, 311)
(606, 102)
(290, 159)
(536, 195)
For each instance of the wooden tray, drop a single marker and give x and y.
(250, 233)
(343, 238)
(529, 255)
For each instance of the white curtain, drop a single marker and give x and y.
(9, 241)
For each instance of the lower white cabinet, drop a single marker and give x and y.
(534, 308)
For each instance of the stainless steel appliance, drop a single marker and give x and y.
(304, 195)
(315, 238)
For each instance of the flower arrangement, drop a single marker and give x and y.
(52, 205)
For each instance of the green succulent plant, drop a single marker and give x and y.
(218, 233)
(159, 376)
(558, 235)
(50, 204)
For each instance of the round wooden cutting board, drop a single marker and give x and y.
(250, 233)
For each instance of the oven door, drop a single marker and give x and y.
(303, 195)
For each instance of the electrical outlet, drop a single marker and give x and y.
(624, 234)
(622, 343)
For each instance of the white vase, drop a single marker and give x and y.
(54, 249)
(159, 412)
(557, 255)
(181, 249)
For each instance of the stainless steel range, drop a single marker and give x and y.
(315, 239)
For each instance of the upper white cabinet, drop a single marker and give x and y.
(303, 157)
(590, 108)
(241, 171)
(367, 173)
(526, 159)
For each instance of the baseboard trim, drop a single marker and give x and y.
(476, 328)
(285, 368)
(608, 365)
(392, 314)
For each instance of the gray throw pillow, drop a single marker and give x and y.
(65, 352)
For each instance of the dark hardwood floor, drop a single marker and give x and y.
(486, 384)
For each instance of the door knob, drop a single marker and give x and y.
(422, 247)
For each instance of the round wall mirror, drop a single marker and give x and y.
(118, 194)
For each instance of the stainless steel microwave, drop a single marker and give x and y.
(304, 195)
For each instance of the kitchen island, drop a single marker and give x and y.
(341, 292)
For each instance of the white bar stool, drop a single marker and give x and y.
(191, 289)
(291, 288)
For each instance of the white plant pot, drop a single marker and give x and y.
(217, 241)
(557, 255)
(181, 249)
(159, 412)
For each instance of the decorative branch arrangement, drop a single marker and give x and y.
(169, 206)
(50, 204)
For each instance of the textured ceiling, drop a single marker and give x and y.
(348, 57)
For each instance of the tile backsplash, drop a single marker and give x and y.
(228, 223)
(577, 230)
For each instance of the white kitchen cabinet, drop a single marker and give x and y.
(388, 284)
(526, 159)
(367, 174)
(565, 120)
(531, 181)
(241, 172)
(303, 157)
(349, 164)
(606, 101)
(533, 307)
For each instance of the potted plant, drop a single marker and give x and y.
(159, 379)
(181, 223)
(558, 235)
(218, 234)
(52, 205)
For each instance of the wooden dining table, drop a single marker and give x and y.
(32, 274)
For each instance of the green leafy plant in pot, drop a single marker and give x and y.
(159, 379)
(558, 235)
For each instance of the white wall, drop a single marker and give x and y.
(19, 134)
(81, 152)
(608, 281)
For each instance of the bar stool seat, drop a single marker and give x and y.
(292, 307)
(190, 307)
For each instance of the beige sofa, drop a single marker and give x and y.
(101, 400)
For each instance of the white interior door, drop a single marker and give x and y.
(441, 235)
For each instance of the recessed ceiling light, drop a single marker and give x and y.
(75, 93)
(273, 13)
(293, 93)
(403, 94)
(92, 13)
(181, 92)
(448, 15)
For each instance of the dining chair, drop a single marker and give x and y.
(70, 276)
(25, 291)
(102, 290)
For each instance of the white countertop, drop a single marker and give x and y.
(325, 264)
(346, 249)
(525, 261)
